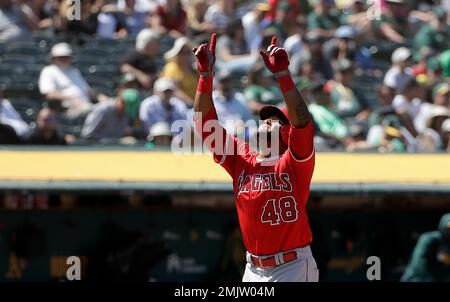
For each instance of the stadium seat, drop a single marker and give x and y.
(104, 43)
(21, 90)
(102, 85)
(6, 69)
(95, 52)
(25, 49)
(17, 59)
(5, 81)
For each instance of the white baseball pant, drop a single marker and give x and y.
(303, 269)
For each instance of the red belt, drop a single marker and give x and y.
(270, 260)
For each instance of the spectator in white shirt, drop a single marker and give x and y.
(61, 82)
(400, 71)
(163, 106)
(253, 25)
(441, 97)
(407, 103)
(9, 116)
(230, 105)
(119, 21)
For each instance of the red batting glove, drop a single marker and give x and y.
(277, 61)
(206, 57)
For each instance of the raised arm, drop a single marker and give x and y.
(301, 134)
(216, 138)
(277, 62)
(206, 57)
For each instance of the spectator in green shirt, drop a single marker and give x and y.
(435, 34)
(326, 119)
(324, 19)
(444, 60)
(261, 89)
(391, 24)
(430, 259)
(344, 99)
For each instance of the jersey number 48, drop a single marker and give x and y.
(284, 209)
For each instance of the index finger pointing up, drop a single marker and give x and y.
(212, 43)
(274, 40)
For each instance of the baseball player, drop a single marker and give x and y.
(270, 190)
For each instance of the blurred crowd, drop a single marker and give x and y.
(376, 73)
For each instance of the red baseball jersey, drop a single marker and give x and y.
(271, 193)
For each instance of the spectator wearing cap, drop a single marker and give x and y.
(178, 68)
(323, 19)
(327, 121)
(230, 105)
(109, 120)
(233, 53)
(400, 70)
(170, 18)
(46, 132)
(61, 82)
(141, 62)
(388, 135)
(445, 134)
(344, 46)
(160, 134)
(430, 139)
(16, 23)
(434, 34)
(407, 103)
(253, 23)
(261, 89)
(346, 103)
(441, 95)
(163, 105)
(392, 140)
(391, 25)
(10, 117)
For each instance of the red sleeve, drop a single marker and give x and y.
(225, 147)
(300, 156)
(301, 141)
